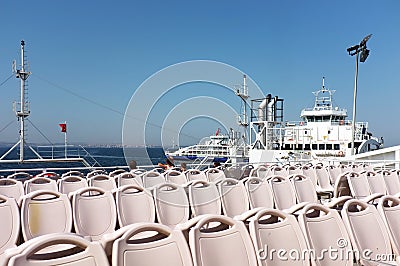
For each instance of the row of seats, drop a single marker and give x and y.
(359, 233)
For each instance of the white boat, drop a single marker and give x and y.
(323, 132)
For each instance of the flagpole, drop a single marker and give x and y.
(65, 140)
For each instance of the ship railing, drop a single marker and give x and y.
(67, 152)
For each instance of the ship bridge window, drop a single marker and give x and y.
(307, 147)
(314, 146)
(329, 146)
(321, 147)
(300, 146)
(336, 147)
(310, 118)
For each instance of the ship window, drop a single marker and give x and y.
(287, 147)
(300, 146)
(329, 146)
(336, 147)
(321, 147)
(329, 132)
(314, 146)
(307, 147)
(305, 132)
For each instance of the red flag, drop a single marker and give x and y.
(217, 133)
(63, 127)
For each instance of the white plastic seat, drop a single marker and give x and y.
(277, 170)
(323, 180)
(96, 172)
(359, 187)
(74, 251)
(283, 191)
(102, 181)
(392, 182)
(9, 223)
(117, 172)
(129, 179)
(168, 247)
(246, 170)
(226, 244)
(195, 174)
(389, 209)
(324, 230)
(172, 205)
(22, 176)
(152, 179)
(234, 171)
(376, 182)
(73, 173)
(11, 188)
(214, 175)
(334, 173)
(367, 231)
(175, 177)
(134, 205)
(45, 212)
(40, 183)
(204, 198)
(293, 170)
(259, 193)
(94, 212)
(71, 183)
(310, 172)
(277, 230)
(233, 197)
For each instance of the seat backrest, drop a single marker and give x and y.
(73, 173)
(215, 175)
(71, 183)
(334, 172)
(102, 181)
(167, 247)
(259, 193)
(323, 178)
(11, 188)
(9, 223)
(175, 177)
(117, 172)
(359, 186)
(366, 229)
(389, 209)
(324, 230)
(45, 212)
(234, 198)
(277, 230)
(96, 172)
(204, 198)
(304, 189)
(392, 182)
(341, 187)
(283, 191)
(82, 252)
(195, 174)
(293, 170)
(22, 176)
(246, 170)
(234, 171)
(226, 244)
(94, 212)
(40, 183)
(134, 205)
(152, 179)
(172, 205)
(376, 183)
(129, 179)
(277, 170)
(310, 172)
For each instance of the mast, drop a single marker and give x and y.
(23, 112)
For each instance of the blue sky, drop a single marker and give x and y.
(89, 57)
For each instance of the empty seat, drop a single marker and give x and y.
(323, 180)
(389, 209)
(259, 193)
(293, 170)
(9, 223)
(324, 230)
(195, 174)
(61, 249)
(172, 205)
(11, 188)
(234, 171)
(367, 232)
(277, 170)
(45, 212)
(96, 172)
(152, 179)
(334, 173)
(117, 172)
(71, 183)
(102, 181)
(310, 172)
(233, 197)
(283, 192)
(73, 173)
(226, 244)
(359, 187)
(40, 183)
(129, 179)
(22, 176)
(276, 230)
(376, 182)
(204, 198)
(215, 174)
(94, 212)
(134, 205)
(175, 177)
(392, 182)
(165, 247)
(51, 175)
(246, 170)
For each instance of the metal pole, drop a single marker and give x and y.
(22, 117)
(353, 124)
(65, 139)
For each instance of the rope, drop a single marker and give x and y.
(6, 80)
(7, 125)
(41, 133)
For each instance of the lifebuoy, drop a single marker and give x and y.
(301, 123)
(341, 122)
(340, 154)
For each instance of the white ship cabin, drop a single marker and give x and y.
(325, 130)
